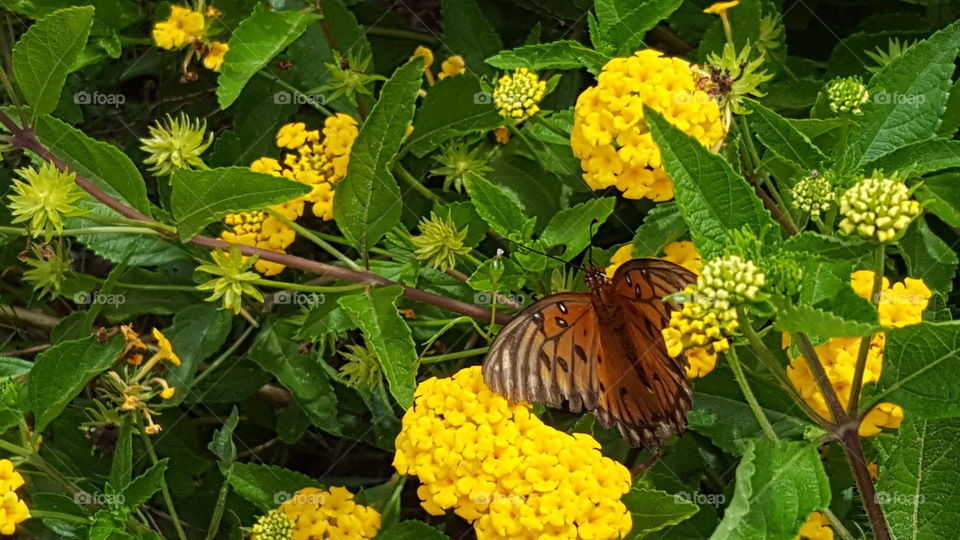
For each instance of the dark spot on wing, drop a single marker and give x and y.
(561, 322)
(563, 364)
(578, 350)
(545, 359)
(562, 307)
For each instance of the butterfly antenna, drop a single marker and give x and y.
(590, 247)
(530, 249)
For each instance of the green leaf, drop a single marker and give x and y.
(811, 244)
(778, 485)
(222, 444)
(783, 139)
(47, 52)
(141, 488)
(266, 486)
(662, 224)
(257, 39)
(563, 54)
(571, 227)
(122, 465)
(929, 257)
(653, 510)
(60, 373)
(202, 197)
(452, 109)
(625, 22)
(351, 37)
(375, 312)
(917, 84)
(940, 195)
(726, 421)
(712, 197)
(368, 202)
(198, 331)
(102, 163)
(918, 479)
(276, 351)
(498, 209)
(467, 32)
(921, 157)
(411, 530)
(917, 364)
(818, 322)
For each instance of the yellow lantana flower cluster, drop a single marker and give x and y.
(901, 304)
(12, 509)
(313, 513)
(611, 137)
(518, 94)
(319, 162)
(187, 27)
(500, 467)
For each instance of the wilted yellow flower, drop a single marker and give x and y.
(215, 53)
(502, 135)
(817, 527)
(427, 55)
(183, 27)
(44, 199)
(453, 65)
(517, 95)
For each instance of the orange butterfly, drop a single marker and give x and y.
(601, 351)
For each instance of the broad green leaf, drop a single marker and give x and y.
(266, 486)
(276, 351)
(351, 37)
(918, 479)
(915, 88)
(467, 32)
(784, 140)
(100, 162)
(662, 224)
(921, 157)
(498, 209)
(811, 244)
(222, 443)
(917, 365)
(712, 197)
(563, 54)
(368, 201)
(454, 106)
(257, 39)
(929, 257)
(778, 485)
(47, 52)
(411, 530)
(571, 226)
(141, 488)
(950, 120)
(625, 22)
(940, 195)
(375, 312)
(819, 322)
(60, 373)
(726, 421)
(11, 366)
(202, 197)
(121, 468)
(653, 510)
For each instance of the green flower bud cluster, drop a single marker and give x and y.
(847, 94)
(813, 195)
(878, 208)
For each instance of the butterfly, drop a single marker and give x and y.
(601, 351)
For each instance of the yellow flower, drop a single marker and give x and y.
(166, 348)
(316, 513)
(168, 393)
(517, 94)
(610, 135)
(721, 7)
(10, 479)
(427, 55)
(882, 415)
(502, 135)
(214, 58)
(12, 511)
(274, 525)
(500, 467)
(700, 362)
(685, 254)
(152, 429)
(453, 65)
(817, 527)
(879, 208)
(623, 254)
(182, 27)
(899, 305)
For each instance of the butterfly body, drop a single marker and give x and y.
(602, 352)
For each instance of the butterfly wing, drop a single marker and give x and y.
(643, 390)
(548, 353)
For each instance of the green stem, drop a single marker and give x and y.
(155, 225)
(303, 287)
(399, 33)
(146, 287)
(18, 231)
(223, 357)
(164, 490)
(748, 393)
(837, 524)
(856, 388)
(62, 516)
(36, 460)
(453, 356)
(14, 98)
(344, 242)
(221, 504)
(301, 96)
(320, 242)
(756, 166)
(412, 181)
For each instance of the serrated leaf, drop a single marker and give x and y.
(368, 201)
(202, 197)
(60, 373)
(818, 322)
(222, 443)
(142, 488)
(454, 106)
(940, 195)
(375, 312)
(662, 224)
(276, 351)
(266, 486)
(499, 210)
(411, 530)
(351, 37)
(778, 485)
(100, 162)
(918, 84)
(921, 157)
(727, 421)
(783, 139)
(624, 23)
(571, 227)
(929, 257)
(712, 197)
(653, 510)
(467, 32)
(257, 39)
(563, 54)
(198, 331)
(47, 52)
(918, 479)
(812, 244)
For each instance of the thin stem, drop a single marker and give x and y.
(19, 231)
(748, 393)
(320, 242)
(138, 223)
(14, 98)
(214, 527)
(308, 288)
(146, 286)
(399, 33)
(344, 242)
(823, 382)
(855, 390)
(412, 181)
(453, 356)
(223, 357)
(164, 490)
(34, 458)
(868, 493)
(784, 211)
(62, 516)
(301, 96)
(837, 524)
